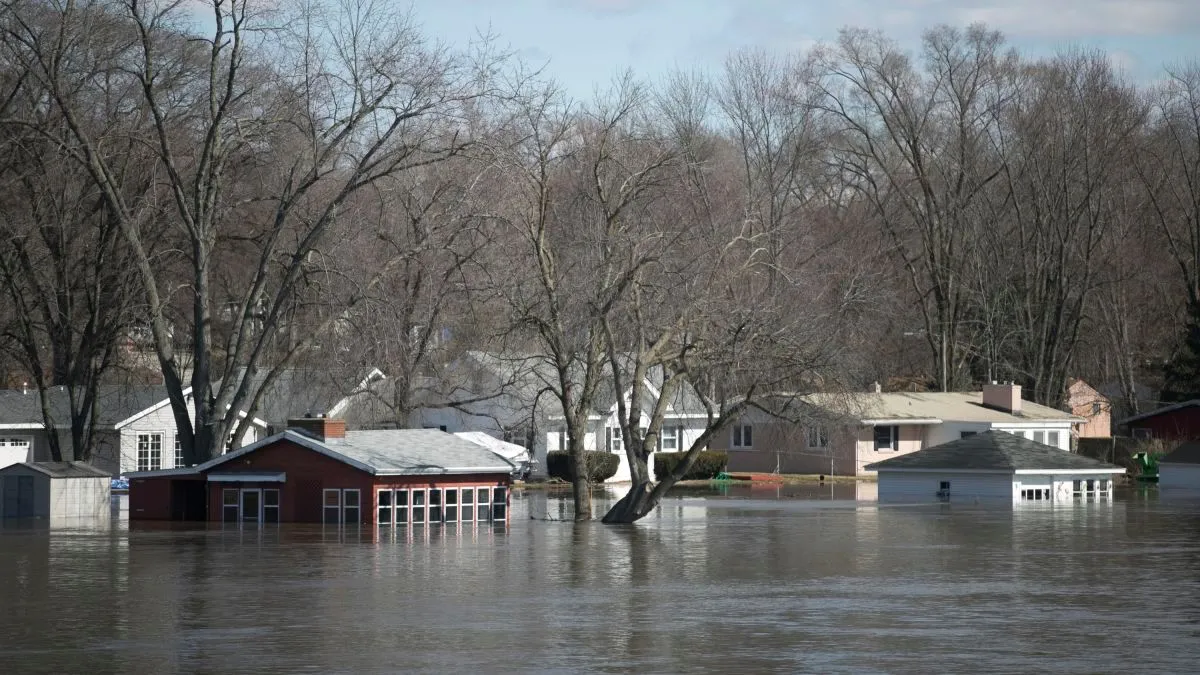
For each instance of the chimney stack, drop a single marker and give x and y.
(876, 387)
(322, 427)
(1005, 397)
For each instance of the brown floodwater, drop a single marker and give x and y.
(792, 579)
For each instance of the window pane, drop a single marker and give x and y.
(229, 497)
(468, 495)
(1052, 438)
(350, 497)
(452, 496)
(435, 497)
(271, 497)
(331, 515)
(333, 498)
(418, 497)
(270, 514)
(401, 515)
(401, 497)
(499, 495)
(229, 514)
(468, 510)
(451, 514)
(350, 514)
(482, 512)
(418, 514)
(498, 511)
(384, 515)
(385, 498)
(747, 435)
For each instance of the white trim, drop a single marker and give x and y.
(28, 426)
(901, 421)
(362, 388)
(187, 391)
(274, 477)
(1059, 472)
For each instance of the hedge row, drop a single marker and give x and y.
(601, 465)
(708, 464)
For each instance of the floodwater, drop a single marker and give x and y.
(798, 579)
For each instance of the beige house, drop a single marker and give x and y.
(863, 428)
(1095, 408)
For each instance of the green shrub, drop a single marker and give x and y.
(708, 464)
(600, 465)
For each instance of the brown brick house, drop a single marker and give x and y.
(317, 472)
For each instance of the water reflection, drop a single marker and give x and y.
(806, 578)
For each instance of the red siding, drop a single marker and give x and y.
(1182, 424)
(308, 474)
(150, 499)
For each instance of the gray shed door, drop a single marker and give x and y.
(18, 496)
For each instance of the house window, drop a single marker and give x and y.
(383, 514)
(817, 437)
(401, 499)
(669, 438)
(742, 436)
(1077, 487)
(229, 505)
(1052, 438)
(943, 489)
(886, 438)
(451, 506)
(612, 439)
(391, 508)
(499, 504)
(1096, 408)
(435, 505)
(483, 504)
(468, 505)
(18, 444)
(270, 506)
(1039, 437)
(178, 452)
(341, 507)
(418, 507)
(149, 452)
(562, 438)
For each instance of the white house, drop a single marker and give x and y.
(135, 429)
(1180, 468)
(993, 465)
(850, 431)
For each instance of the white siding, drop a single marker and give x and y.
(80, 498)
(594, 440)
(161, 421)
(924, 486)
(1179, 476)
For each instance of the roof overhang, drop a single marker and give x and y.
(25, 426)
(439, 471)
(1076, 472)
(162, 473)
(1161, 411)
(887, 421)
(1010, 472)
(245, 477)
(871, 467)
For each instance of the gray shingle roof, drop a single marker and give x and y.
(406, 452)
(65, 469)
(114, 402)
(1187, 453)
(993, 451)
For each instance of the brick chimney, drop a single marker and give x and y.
(1004, 396)
(322, 427)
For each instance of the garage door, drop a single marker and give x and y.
(13, 451)
(18, 496)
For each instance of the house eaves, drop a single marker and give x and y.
(1160, 411)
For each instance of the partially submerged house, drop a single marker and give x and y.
(135, 429)
(318, 472)
(1176, 422)
(851, 431)
(57, 491)
(995, 465)
(1180, 468)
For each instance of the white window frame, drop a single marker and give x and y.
(1039, 436)
(450, 502)
(893, 433)
(227, 506)
(499, 510)
(326, 507)
(414, 508)
(343, 507)
(483, 509)
(741, 436)
(151, 444)
(178, 452)
(673, 434)
(265, 507)
(1052, 438)
(614, 440)
(466, 503)
(817, 437)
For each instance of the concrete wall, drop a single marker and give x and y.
(1179, 476)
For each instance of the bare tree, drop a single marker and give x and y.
(352, 95)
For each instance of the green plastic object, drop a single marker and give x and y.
(1147, 464)
(723, 477)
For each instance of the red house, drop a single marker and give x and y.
(317, 472)
(1177, 422)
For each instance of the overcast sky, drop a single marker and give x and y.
(586, 42)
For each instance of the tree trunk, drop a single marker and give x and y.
(635, 505)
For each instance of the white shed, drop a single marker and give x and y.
(1180, 468)
(993, 465)
(54, 490)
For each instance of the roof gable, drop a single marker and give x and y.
(993, 451)
(1161, 411)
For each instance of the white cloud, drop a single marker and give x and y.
(1062, 18)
